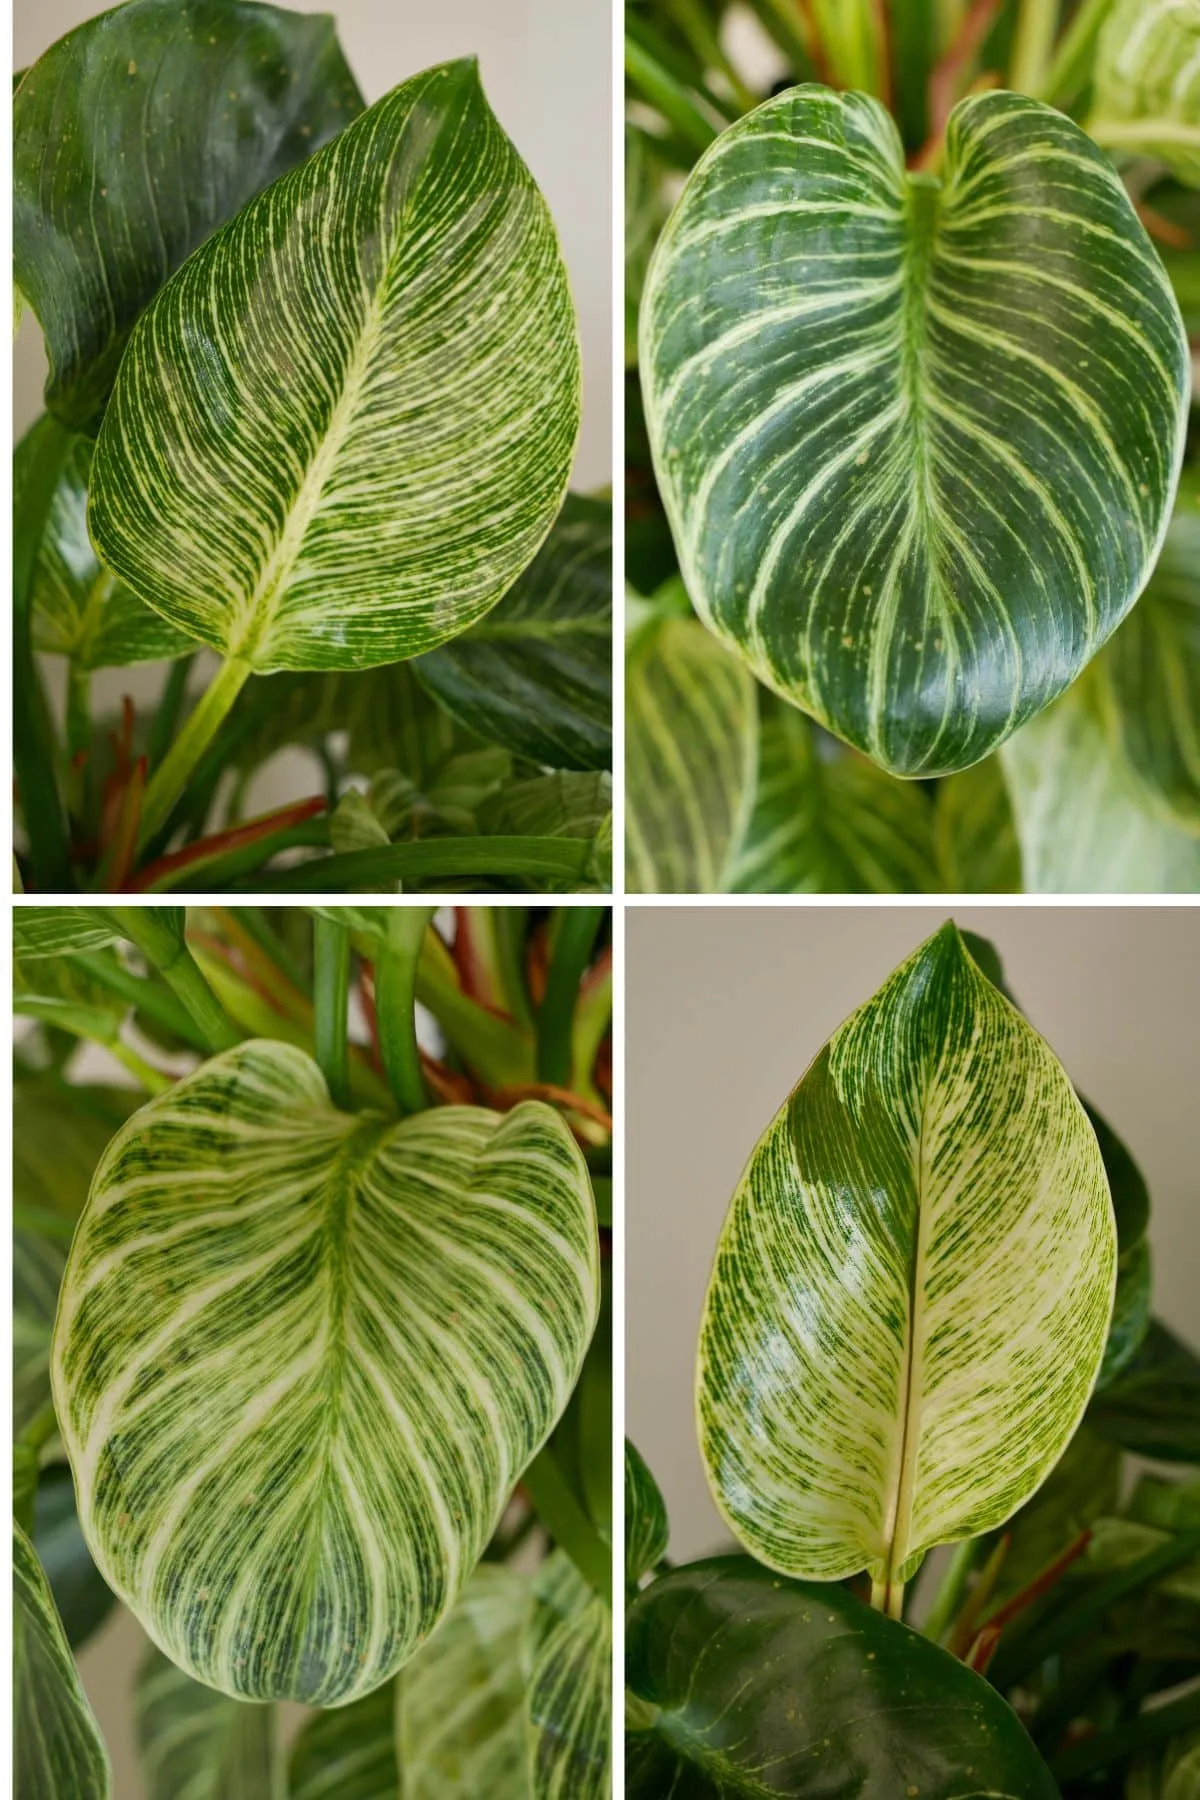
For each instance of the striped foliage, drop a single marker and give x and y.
(460, 1718)
(378, 433)
(570, 1686)
(1084, 820)
(58, 1753)
(830, 824)
(80, 610)
(974, 833)
(38, 1261)
(536, 674)
(61, 930)
(1147, 84)
(646, 1528)
(917, 440)
(912, 1287)
(135, 136)
(348, 1753)
(301, 1358)
(197, 1744)
(691, 750)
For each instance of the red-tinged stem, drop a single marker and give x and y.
(945, 78)
(506, 1098)
(207, 849)
(983, 1649)
(366, 993)
(116, 867)
(1040, 1585)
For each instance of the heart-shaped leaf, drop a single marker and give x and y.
(646, 1528)
(343, 428)
(302, 1357)
(536, 674)
(59, 1753)
(830, 824)
(570, 1686)
(918, 439)
(349, 1752)
(134, 137)
(691, 750)
(1146, 99)
(80, 610)
(912, 1288)
(752, 1686)
(195, 1741)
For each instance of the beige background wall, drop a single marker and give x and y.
(726, 1008)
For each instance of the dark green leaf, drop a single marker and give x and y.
(1153, 1406)
(81, 1594)
(1084, 1484)
(748, 1684)
(135, 136)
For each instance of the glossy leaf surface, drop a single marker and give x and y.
(918, 441)
(646, 1528)
(302, 1357)
(196, 1742)
(570, 1686)
(868, 1708)
(691, 750)
(536, 674)
(830, 824)
(58, 1751)
(349, 1753)
(912, 1288)
(1147, 84)
(344, 427)
(135, 136)
(1153, 1406)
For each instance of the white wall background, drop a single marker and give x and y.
(725, 1008)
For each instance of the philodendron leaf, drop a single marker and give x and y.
(1084, 821)
(348, 1753)
(976, 837)
(62, 930)
(918, 439)
(1131, 1210)
(752, 1686)
(1085, 1484)
(460, 1705)
(80, 609)
(343, 428)
(912, 1287)
(196, 1742)
(1147, 84)
(1152, 1408)
(830, 824)
(691, 750)
(646, 1528)
(536, 674)
(570, 1686)
(59, 1753)
(135, 136)
(301, 1358)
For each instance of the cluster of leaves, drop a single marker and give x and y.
(312, 403)
(910, 1339)
(907, 393)
(312, 1361)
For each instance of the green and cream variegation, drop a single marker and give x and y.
(198, 1744)
(58, 1752)
(691, 751)
(348, 1753)
(917, 438)
(646, 1528)
(570, 1686)
(912, 1288)
(343, 428)
(302, 1357)
(1147, 84)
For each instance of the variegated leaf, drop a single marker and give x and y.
(135, 136)
(1146, 86)
(197, 1744)
(61, 930)
(918, 439)
(80, 609)
(1084, 820)
(343, 428)
(646, 1528)
(975, 834)
(828, 822)
(460, 1709)
(536, 674)
(570, 1686)
(59, 1753)
(691, 751)
(301, 1358)
(348, 1753)
(912, 1288)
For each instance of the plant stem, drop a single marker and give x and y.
(144, 996)
(167, 953)
(34, 751)
(949, 1596)
(395, 1004)
(331, 994)
(1033, 44)
(79, 712)
(567, 1523)
(153, 1080)
(166, 713)
(171, 776)
(40, 1429)
(1121, 1744)
(575, 931)
(229, 855)
(452, 859)
(1071, 63)
(693, 23)
(512, 924)
(663, 91)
